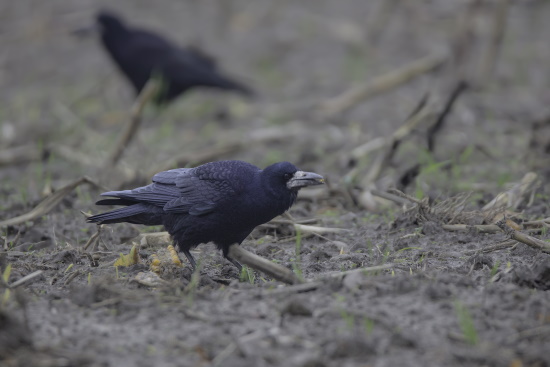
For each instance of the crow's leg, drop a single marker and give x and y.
(190, 258)
(235, 262)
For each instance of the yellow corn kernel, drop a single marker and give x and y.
(174, 255)
(155, 264)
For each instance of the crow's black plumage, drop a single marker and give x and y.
(220, 202)
(140, 54)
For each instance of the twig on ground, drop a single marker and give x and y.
(93, 238)
(422, 113)
(317, 229)
(448, 211)
(396, 199)
(384, 159)
(71, 277)
(483, 228)
(523, 238)
(25, 279)
(405, 196)
(381, 84)
(288, 221)
(146, 94)
(256, 262)
(313, 284)
(46, 205)
(496, 247)
(342, 274)
(537, 223)
(439, 122)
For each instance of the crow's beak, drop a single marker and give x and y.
(303, 179)
(86, 31)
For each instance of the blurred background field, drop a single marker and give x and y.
(61, 90)
(64, 105)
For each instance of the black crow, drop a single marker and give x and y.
(220, 202)
(141, 54)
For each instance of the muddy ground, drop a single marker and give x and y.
(443, 298)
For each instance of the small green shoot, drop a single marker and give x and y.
(368, 325)
(466, 154)
(297, 265)
(348, 318)
(466, 323)
(247, 275)
(193, 285)
(408, 248)
(5, 279)
(494, 269)
(385, 256)
(419, 193)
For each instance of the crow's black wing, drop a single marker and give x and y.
(201, 56)
(196, 191)
(161, 191)
(141, 55)
(204, 188)
(150, 40)
(157, 194)
(188, 70)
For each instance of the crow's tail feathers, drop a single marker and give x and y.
(241, 88)
(137, 213)
(223, 82)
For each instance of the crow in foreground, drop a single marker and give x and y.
(140, 54)
(220, 202)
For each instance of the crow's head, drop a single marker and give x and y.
(285, 175)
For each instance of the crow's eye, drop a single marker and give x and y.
(287, 176)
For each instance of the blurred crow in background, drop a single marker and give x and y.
(141, 54)
(220, 202)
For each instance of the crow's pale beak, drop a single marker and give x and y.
(303, 179)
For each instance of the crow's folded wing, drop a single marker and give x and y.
(196, 191)
(201, 191)
(201, 57)
(155, 194)
(204, 188)
(161, 191)
(188, 70)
